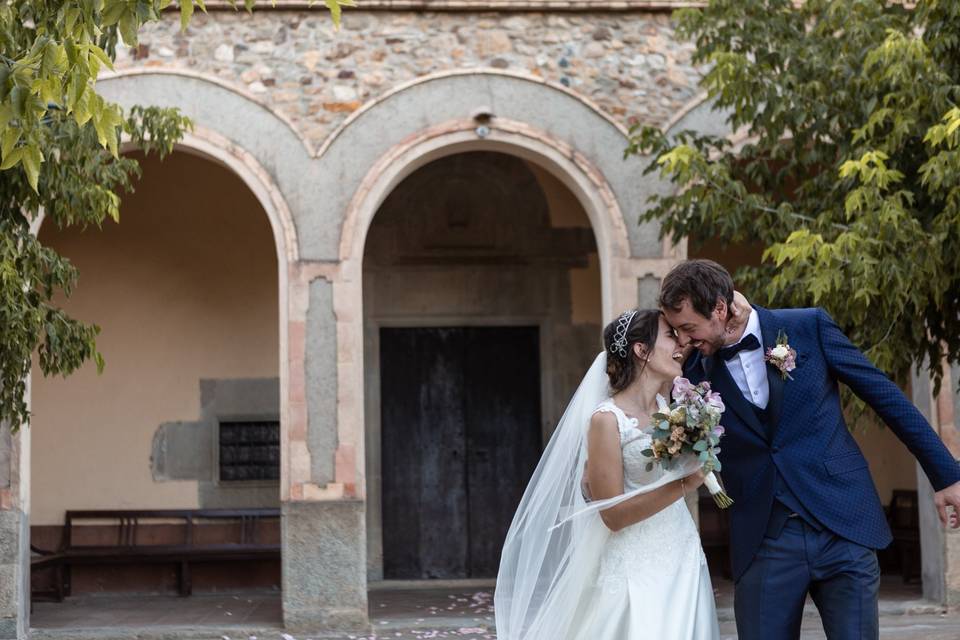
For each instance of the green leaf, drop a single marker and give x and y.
(113, 11)
(11, 159)
(129, 27)
(71, 16)
(4, 81)
(50, 90)
(102, 56)
(186, 12)
(11, 136)
(18, 100)
(82, 106)
(32, 158)
(6, 114)
(334, 8)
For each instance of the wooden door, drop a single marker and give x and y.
(460, 421)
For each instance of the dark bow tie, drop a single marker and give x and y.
(749, 343)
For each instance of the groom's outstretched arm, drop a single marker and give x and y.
(851, 367)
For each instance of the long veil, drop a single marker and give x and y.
(553, 548)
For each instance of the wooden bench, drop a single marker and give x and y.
(128, 548)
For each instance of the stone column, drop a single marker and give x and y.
(940, 549)
(14, 534)
(324, 518)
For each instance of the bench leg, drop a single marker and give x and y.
(185, 581)
(64, 581)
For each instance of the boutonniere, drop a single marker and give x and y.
(782, 356)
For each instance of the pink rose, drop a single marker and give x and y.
(714, 400)
(682, 388)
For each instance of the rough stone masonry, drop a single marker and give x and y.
(629, 63)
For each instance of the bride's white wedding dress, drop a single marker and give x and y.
(565, 576)
(653, 581)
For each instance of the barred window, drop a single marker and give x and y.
(249, 450)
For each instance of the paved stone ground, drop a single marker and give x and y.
(397, 614)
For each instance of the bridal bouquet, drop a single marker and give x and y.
(691, 424)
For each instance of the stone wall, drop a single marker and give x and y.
(14, 535)
(630, 64)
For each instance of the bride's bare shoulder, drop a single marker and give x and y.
(604, 421)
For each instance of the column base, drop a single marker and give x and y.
(14, 575)
(324, 566)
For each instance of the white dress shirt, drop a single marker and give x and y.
(748, 368)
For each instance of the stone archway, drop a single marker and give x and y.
(474, 259)
(435, 117)
(329, 196)
(212, 145)
(186, 291)
(618, 282)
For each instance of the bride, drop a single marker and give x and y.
(600, 548)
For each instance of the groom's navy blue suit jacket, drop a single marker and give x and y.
(806, 439)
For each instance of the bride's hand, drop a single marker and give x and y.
(739, 313)
(693, 481)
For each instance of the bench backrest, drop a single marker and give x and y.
(128, 523)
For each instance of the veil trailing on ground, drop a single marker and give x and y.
(550, 558)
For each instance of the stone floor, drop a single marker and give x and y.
(400, 614)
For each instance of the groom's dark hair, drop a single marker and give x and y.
(702, 282)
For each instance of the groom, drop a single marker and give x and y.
(806, 517)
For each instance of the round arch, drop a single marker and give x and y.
(213, 147)
(574, 170)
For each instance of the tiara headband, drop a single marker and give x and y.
(619, 345)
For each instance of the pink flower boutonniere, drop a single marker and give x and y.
(782, 356)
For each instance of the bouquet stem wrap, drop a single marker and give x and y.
(719, 495)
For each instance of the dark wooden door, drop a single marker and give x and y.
(460, 425)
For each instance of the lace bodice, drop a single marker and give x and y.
(664, 539)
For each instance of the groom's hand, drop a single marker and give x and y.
(950, 496)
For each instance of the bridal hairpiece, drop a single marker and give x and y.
(619, 345)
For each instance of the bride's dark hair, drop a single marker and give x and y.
(643, 328)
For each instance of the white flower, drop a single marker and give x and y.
(662, 405)
(780, 352)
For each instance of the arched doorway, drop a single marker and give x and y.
(389, 139)
(186, 292)
(482, 310)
